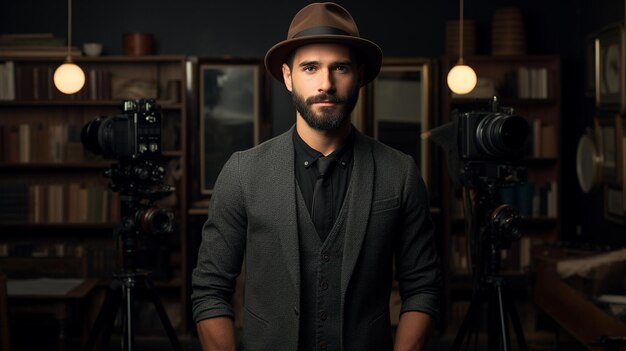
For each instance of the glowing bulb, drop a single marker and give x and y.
(69, 78)
(461, 79)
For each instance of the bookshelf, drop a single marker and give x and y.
(56, 201)
(530, 85)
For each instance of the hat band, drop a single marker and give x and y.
(320, 31)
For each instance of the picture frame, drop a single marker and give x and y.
(609, 69)
(623, 166)
(614, 204)
(398, 108)
(609, 134)
(231, 94)
(590, 66)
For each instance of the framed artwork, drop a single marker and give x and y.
(399, 109)
(590, 65)
(614, 204)
(229, 111)
(609, 70)
(608, 141)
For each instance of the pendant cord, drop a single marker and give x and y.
(69, 27)
(460, 31)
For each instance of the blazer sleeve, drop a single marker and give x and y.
(418, 268)
(222, 249)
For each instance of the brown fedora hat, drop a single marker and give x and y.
(324, 23)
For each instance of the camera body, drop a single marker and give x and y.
(492, 135)
(133, 135)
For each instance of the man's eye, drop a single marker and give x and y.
(308, 68)
(341, 68)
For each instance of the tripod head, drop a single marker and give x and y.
(140, 184)
(494, 227)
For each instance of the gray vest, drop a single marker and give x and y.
(320, 270)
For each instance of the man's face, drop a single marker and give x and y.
(324, 81)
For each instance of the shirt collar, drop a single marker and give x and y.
(309, 155)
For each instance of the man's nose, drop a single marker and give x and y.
(327, 83)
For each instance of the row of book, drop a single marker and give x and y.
(527, 83)
(516, 259)
(25, 143)
(58, 203)
(543, 140)
(101, 260)
(36, 82)
(530, 199)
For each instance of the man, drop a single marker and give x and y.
(320, 214)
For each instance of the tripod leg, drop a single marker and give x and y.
(502, 325)
(129, 339)
(106, 317)
(470, 317)
(517, 325)
(167, 325)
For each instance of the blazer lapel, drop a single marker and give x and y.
(283, 210)
(362, 185)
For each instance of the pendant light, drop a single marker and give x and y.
(69, 78)
(461, 78)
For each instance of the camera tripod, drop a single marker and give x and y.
(121, 293)
(122, 290)
(491, 229)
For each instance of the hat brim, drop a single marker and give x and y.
(371, 54)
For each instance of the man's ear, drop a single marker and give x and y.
(287, 76)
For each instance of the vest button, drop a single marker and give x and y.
(324, 285)
(323, 315)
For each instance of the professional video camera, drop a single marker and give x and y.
(133, 135)
(133, 138)
(490, 144)
(484, 149)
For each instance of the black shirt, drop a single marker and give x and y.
(306, 174)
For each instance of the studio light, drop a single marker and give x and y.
(69, 78)
(461, 78)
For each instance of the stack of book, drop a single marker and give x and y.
(34, 44)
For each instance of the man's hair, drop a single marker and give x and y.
(355, 56)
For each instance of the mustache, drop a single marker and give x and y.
(324, 97)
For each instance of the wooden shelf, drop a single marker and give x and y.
(57, 226)
(49, 166)
(45, 187)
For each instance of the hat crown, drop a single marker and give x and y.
(322, 16)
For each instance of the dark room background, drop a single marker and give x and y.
(246, 29)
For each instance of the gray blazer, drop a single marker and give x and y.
(253, 214)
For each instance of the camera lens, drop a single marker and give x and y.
(502, 135)
(108, 136)
(89, 136)
(506, 221)
(155, 220)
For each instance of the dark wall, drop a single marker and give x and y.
(402, 28)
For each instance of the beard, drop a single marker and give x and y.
(327, 118)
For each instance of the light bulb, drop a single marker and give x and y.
(69, 78)
(462, 79)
